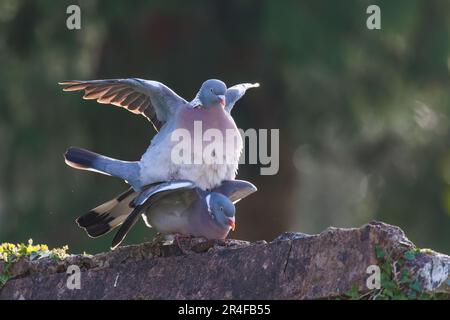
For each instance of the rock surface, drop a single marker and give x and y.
(293, 266)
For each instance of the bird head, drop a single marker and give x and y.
(212, 93)
(221, 209)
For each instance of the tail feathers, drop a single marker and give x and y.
(81, 159)
(87, 160)
(108, 215)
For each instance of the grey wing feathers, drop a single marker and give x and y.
(152, 99)
(235, 190)
(162, 189)
(236, 92)
(145, 200)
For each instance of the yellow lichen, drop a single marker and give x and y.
(9, 251)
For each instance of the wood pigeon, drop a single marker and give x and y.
(168, 113)
(175, 207)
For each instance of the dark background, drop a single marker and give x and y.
(363, 115)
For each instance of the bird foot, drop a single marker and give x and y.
(177, 238)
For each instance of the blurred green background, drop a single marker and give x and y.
(363, 115)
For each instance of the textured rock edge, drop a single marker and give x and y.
(293, 266)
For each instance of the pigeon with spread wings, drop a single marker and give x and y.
(168, 113)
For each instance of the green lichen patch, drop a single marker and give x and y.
(398, 281)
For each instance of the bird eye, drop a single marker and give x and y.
(211, 90)
(221, 208)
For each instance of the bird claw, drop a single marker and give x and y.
(177, 238)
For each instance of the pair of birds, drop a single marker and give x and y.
(174, 198)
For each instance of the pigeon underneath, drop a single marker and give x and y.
(176, 207)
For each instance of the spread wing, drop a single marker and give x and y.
(236, 92)
(235, 190)
(152, 99)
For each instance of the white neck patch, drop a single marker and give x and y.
(208, 205)
(208, 198)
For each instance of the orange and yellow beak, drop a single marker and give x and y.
(222, 100)
(232, 223)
